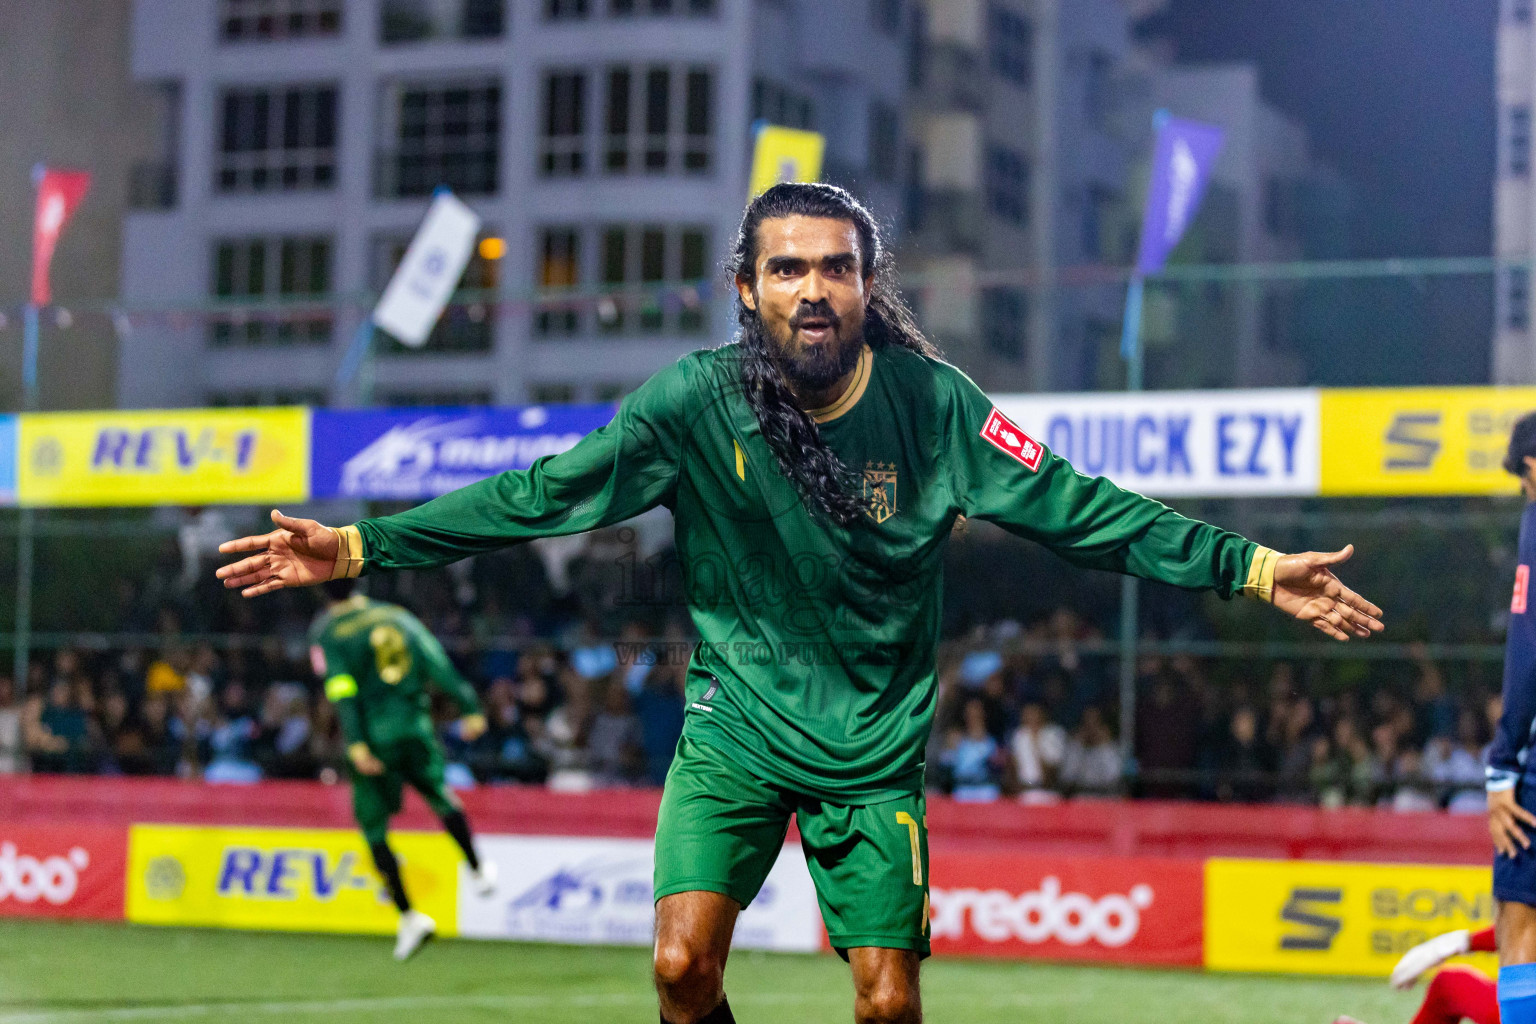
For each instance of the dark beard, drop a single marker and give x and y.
(811, 368)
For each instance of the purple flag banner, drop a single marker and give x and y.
(1181, 167)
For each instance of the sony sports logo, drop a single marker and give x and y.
(283, 874)
(1005, 435)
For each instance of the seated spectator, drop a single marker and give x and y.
(13, 753)
(1295, 751)
(659, 710)
(1412, 791)
(282, 745)
(1246, 766)
(58, 731)
(971, 756)
(231, 738)
(1091, 763)
(613, 742)
(160, 749)
(1037, 747)
(565, 736)
(1167, 729)
(1327, 774)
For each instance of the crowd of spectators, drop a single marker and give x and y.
(1039, 723)
(1027, 709)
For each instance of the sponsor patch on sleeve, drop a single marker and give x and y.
(1006, 435)
(1522, 589)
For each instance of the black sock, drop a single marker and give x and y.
(719, 1015)
(458, 827)
(389, 870)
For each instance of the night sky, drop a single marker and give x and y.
(1398, 96)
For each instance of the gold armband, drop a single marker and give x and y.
(349, 553)
(1261, 575)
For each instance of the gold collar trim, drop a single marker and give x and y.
(850, 397)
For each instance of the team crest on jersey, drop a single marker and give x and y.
(880, 490)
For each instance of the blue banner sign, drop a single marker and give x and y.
(7, 460)
(413, 454)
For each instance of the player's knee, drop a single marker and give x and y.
(890, 1001)
(682, 971)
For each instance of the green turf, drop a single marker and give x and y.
(65, 973)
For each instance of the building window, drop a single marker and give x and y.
(438, 398)
(1096, 202)
(468, 323)
(1004, 314)
(779, 104)
(258, 271)
(1098, 91)
(559, 271)
(1517, 309)
(636, 264)
(277, 139)
(444, 135)
(1519, 141)
(410, 21)
(564, 141)
(1007, 184)
(566, 10)
(1011, 44)
(658, 119)
(260, 20)
(648, 278)
(630, 8)
(886, 14)
(1520, 11)
(610, 392)
(884, 141)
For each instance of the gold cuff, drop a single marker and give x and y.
(1261, 575)
(349, 553)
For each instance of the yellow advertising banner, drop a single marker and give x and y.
(164, 457)
(1419, 441)
(785, 154)
(1320, 917)
(319, 880)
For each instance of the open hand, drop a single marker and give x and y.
(1306, 589)
(299, 553)
(1506, 821)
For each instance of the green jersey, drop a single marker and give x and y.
(377, 661)
(816, 667)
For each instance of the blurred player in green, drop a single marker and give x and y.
(377, 661)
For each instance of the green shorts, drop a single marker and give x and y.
(720, 829)
(416, 760)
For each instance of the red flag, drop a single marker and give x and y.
(58, 193)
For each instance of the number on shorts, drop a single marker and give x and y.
(391, 656)
(903, 818)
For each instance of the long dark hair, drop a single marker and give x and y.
(824, 483)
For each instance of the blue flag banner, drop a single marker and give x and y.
(414, 454)
(1185, 154)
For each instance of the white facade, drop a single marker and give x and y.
(652, 230)
(1514, 215)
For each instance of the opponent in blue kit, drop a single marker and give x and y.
(1511, 775)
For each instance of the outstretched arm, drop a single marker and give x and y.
(618, 471)
(1000, 474)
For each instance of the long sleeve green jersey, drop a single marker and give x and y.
(816, 666)
(378, 661)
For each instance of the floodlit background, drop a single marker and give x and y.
(257, 171)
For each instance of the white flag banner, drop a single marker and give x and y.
(430, 271)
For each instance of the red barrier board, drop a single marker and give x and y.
(62, 871)
(1109, 909)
